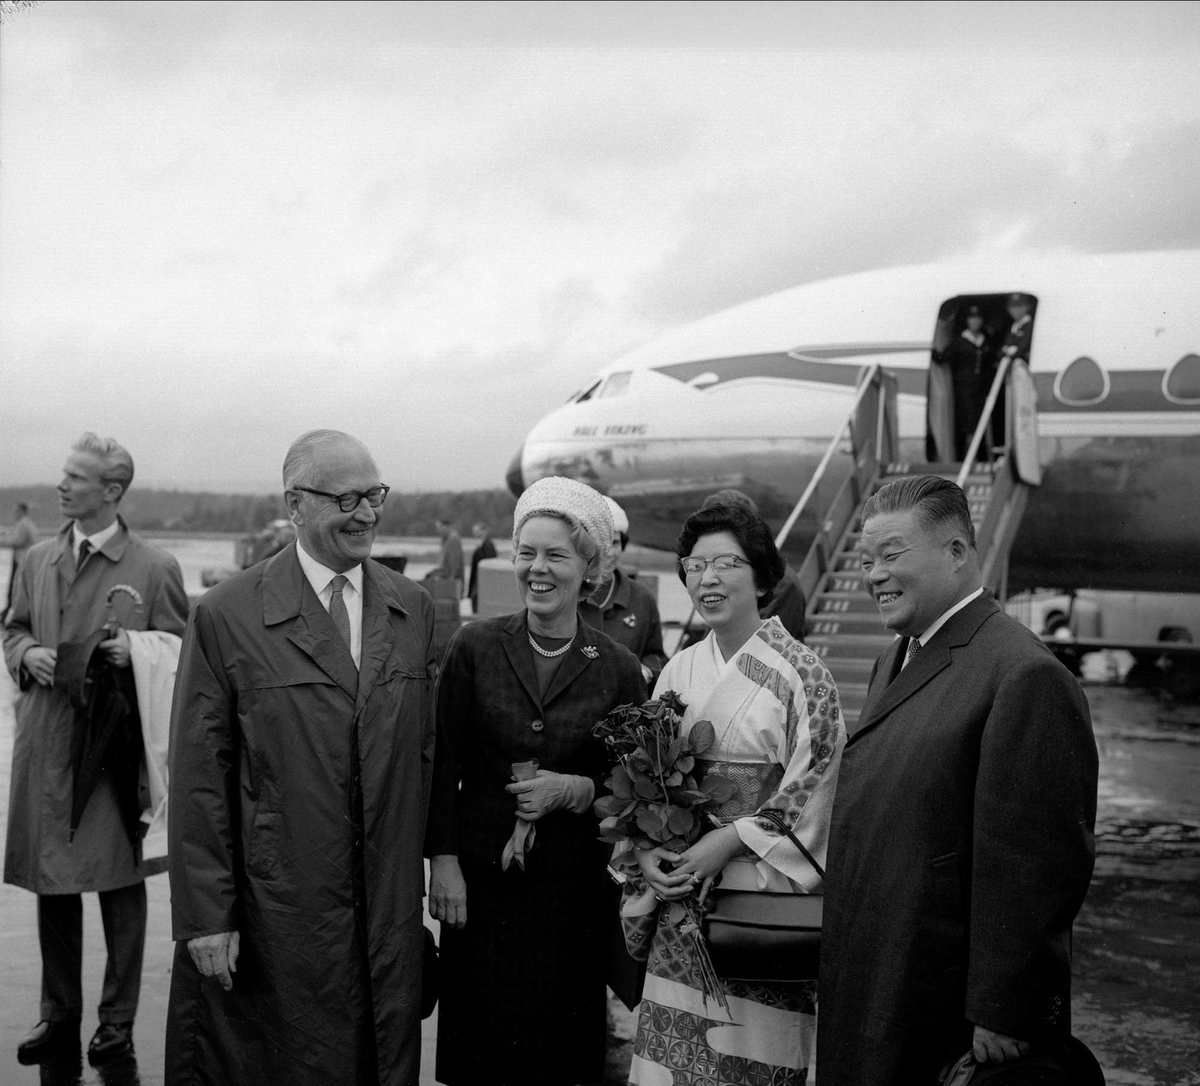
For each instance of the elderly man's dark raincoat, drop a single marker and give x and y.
(299, 791)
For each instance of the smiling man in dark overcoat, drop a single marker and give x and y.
(961, 845)
(301, 759)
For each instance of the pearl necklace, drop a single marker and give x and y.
(549, 653)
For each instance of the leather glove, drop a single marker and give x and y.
(550, 791)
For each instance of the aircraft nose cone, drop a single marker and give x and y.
(514, 477)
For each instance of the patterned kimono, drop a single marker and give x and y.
(779, 738)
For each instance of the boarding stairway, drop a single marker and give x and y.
(843, 621)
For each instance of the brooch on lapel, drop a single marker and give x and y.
(591, 652)
(630, 621)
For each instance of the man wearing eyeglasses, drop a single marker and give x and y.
(302, 741)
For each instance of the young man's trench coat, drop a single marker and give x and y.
(298, 796)
(52, 605)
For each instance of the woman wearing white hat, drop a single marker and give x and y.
(517, 873)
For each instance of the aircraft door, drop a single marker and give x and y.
(972, 333)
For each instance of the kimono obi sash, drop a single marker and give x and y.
(754, 783)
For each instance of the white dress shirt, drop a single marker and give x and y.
(945, 617)
(97, 540)
(320, 576)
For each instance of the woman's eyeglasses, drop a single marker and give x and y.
(722, 563)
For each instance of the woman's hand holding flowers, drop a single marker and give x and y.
(704, 860)
(667, 885)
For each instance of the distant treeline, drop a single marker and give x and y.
(201, 511)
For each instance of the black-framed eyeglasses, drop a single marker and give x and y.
(722, 563)
(349, 501)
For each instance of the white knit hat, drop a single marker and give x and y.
(568, 498)
(620, 520)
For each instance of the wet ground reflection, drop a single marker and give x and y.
(67, 1070)
(1137, 940)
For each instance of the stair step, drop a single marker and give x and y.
(843, 603)
(946, 469)
(858, 646)
(850, 622)
(850, 694)
(849, 669)
(841, 582)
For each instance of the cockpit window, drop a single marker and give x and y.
(1182, 382)
(586, 394)
(616, 385)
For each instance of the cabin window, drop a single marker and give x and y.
(1181, 384)
(616, 385)
(1083, 383)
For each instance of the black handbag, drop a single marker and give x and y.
(759, 935)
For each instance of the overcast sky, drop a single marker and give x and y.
(222, 224)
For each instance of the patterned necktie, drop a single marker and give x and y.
(337, 609)
(914, 646)
(85, 548)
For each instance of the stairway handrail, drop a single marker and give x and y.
(985, 420)
(868, 378)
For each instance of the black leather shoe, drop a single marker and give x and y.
(47, 1040)
(111, 1042)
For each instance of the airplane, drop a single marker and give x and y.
(751, 397)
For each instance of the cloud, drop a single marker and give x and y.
(914, 193)
(1144, 199)
(428, 223)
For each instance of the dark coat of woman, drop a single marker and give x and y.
(523, 984)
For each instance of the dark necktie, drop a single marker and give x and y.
(914, 646)
(337, 609)
(85, 548)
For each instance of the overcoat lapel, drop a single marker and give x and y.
(577, 659)
(287, 595)
(935, 657)
(64, 569)
(518, 653)
(378, 634)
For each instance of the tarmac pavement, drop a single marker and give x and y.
(1137, 997)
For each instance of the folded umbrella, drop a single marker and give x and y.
(107, 734)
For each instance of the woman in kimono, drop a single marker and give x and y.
(517, 874)
(779, 738)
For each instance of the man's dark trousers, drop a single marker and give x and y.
(60, 933)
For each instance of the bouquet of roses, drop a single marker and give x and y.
(656, 799)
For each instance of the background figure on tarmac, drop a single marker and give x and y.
(622, 608)
(961, 845)
(61, 601)
(301, 758)
(451, 562)
(486, 549)
(20, 538)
